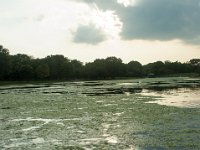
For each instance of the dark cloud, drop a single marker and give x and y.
(157, 19)
(89, 34)
(162, 20)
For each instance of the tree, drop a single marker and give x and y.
(4, 63)
(114, 67)
(96, 69)
(195, 63)
(21, 67)
(59, 67)
(110, 67)
(157, 68)
(77, 69)
(42, 71)
(134, 69)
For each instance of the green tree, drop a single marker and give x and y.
(42, 71)
(77, 69)
(157, 68)
(134, 69)
(21, 67)
(114, 67)
(96, 69)
(195, 63)
(59, 66)
(4, 63)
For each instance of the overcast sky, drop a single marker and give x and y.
(142, 30)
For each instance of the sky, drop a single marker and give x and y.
(140, 30)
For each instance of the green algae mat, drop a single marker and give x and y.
(137, 114)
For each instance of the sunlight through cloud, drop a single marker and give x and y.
(107, 21)
(127, 3)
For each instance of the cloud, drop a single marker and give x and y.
(39, 18)
(103, 4)
(162, 20)
(89, 34)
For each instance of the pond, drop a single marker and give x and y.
(141, 114)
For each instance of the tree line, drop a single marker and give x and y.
(58, 67)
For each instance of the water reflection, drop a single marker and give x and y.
(181, 97)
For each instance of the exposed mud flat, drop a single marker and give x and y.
(158, 113)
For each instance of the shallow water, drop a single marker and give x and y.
(183, 97)
(159, 113)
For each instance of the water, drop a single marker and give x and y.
(159, 113)
(182, 97)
